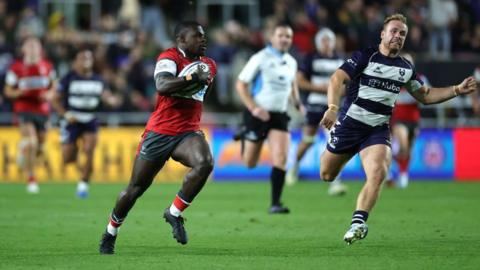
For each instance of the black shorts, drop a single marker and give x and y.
(159, 147)
(38, 120)
(257, 130)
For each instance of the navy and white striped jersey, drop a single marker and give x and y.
(81, 95)
(271, 74)
(375, 84)
(318, 69)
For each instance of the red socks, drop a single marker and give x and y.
(403, 163)
(180, 204)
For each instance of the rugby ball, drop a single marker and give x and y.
(190, 69)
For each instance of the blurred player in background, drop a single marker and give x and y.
(474, 96)
(375, 76)
(172, 131)
(404, 123)
(76, 100)
(271, 74)
(29, 83)
(313, 76)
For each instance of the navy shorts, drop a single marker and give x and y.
(257, 130)
(350, 136)
(314, 117)
(38, 120)
(69, 133)
(159, 147)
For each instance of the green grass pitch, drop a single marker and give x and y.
(431, 225)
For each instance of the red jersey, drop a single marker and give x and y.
(178, 113)
(406, 108)
(34, 81)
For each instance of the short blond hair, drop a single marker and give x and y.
(395, 17)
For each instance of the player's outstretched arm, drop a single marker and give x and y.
(335, 91)
(433, 95)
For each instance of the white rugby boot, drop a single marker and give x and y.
(292, 176)
(33, 188)
(356, 232)
(337, 188)
(403, 180)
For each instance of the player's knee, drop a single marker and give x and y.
(376, 179)
(374, 183)
(205, 167)
(280, 160)
(31, 144)
(89, 151)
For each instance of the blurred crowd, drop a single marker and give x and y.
(129, 34)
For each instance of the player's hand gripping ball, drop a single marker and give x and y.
(202, 72)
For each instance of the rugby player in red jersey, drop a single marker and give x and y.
(404, 122)
(172, 131)
(29, 83)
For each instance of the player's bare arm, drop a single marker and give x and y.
(295, 97)
(475, 103)
(50, 94)
(56, 103)
(306, 85)
(247, 99)
(433, 95)
(12, 92)
(166, 83)
(111, 99)
(335, 91)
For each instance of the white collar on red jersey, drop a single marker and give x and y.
(182, 52)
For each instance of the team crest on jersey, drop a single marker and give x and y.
(401, 71)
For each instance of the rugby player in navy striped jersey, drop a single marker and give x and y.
(374, 76)
(77, 99)
(313, 75)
